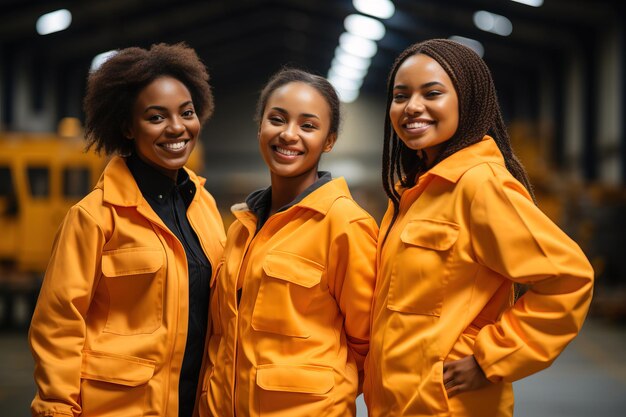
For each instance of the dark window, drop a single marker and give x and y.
(8, 198)
(6, 182)
(75, 182)
(39, 180)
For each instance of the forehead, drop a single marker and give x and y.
(421, 68)
(163, 88)
(298, 97)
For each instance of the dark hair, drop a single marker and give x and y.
(113, 88)
(291, 75)
(479, 115)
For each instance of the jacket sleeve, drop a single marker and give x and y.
(353, 255)
(513, 238)
(57, 330)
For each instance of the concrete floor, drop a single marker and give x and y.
(588, 380)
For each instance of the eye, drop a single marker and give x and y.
(276, 120)
(433, 93)
(398, 97)
(155, 118)
(188, 113)
(308, 126)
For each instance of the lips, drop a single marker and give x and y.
(286, 152)
(418, 125)
(174, 146)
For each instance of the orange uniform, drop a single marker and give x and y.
(295, 343)
(109, 331)
(464, 234)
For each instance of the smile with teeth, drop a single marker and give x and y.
(174, 146)
(417, 125)
(287, 152)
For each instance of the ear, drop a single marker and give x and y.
(330, 142)
(128, 133)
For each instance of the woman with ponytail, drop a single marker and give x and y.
(448, 334)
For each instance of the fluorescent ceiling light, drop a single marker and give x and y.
(341, 82)
(53, 22)
(534, 3)
(494, 23)
(347, 96)
(358, 46)
(365, 27)
(100, 59)
(350, 60)
(346, 71)
(470, 43)
(382, 9)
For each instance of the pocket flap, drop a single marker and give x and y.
(310, 379)
(117, 369)
(131, 261)
(293, 268)
(432, 234)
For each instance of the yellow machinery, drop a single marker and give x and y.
(41, 176)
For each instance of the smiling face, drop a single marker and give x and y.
(294, 132)
(425, 107)
(164, 125)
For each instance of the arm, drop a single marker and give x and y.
(513, 238)
(57, 331)
(354, 254)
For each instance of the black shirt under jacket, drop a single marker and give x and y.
(170, 201)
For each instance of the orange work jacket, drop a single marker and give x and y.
(295, 343)
(465, 233)
(110, 327)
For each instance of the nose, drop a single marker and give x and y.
(175, 127)
(289, 134)
(414, 106)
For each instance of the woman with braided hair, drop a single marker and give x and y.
(448, 336)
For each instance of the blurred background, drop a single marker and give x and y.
(558, 65)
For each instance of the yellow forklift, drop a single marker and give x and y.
(41, 176)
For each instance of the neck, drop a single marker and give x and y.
(171, 173)
(286, 189)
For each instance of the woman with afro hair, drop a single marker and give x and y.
(121, 322)
(462, 230)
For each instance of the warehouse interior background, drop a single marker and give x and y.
(558, 66)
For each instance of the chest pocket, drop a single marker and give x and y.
(134, 278)
(287, 288)
(420, 271)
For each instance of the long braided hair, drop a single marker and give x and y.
(479, 115)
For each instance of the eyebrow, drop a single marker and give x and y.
(161, 108)
(283, 111)
(425, 85)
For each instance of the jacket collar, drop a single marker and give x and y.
(120, 188)
(453, 167)
(320, 200)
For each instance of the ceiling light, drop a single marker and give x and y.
(358, 46)
(470, 43)
(382, 9)
(100, 59)
(350, 60)
(53, 22)
(494, 23)
(364, 26)
(347, 96)
(346, 71)
(340, 82)
(534, 3)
